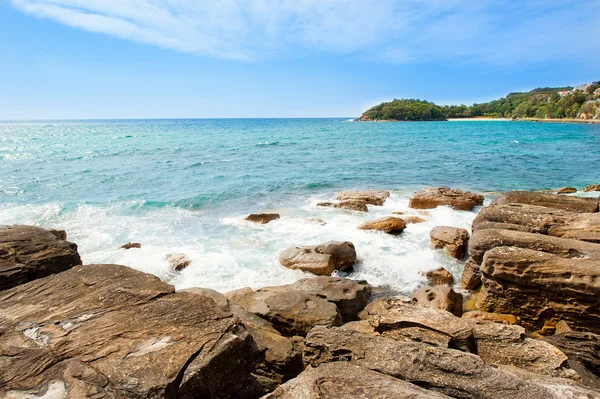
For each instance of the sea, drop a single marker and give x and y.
(185, 186)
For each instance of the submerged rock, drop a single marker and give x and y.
(131, 245)
(444, 196)
(262, 218)
(452, 240)
(320, 259)
(351, 205)
(413, 219)
(390, 225)
(178, 261)
(371, 197)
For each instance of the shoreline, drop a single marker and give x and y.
(569, 120)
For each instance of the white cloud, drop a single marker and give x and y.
(400, 31)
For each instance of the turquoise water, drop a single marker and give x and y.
(184, 186)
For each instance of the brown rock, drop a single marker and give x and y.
(178, 261)
(562, 327)
(216, 296)
(566, 190)
(583, 351)
(492, 317)
(28, 253)
(439, 297)
(320, 259)
(471, 276)
(262, 218)
(452, 240)
(413, 219)
(351, 205)
(439, 276)
(591, 187)
(566, 203)
(444, 196)
(111, 331)
(390, 225)
(371, 197)
(131, 245)
(398, 213)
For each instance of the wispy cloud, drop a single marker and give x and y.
(402, 31)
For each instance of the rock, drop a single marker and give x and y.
(216, 296)
(583, 351)
(503, 344)
(110, 331)
(348, 295)
(59, 234)
(452, 240)
(320, 259)
(262, 218)
(493, 317)
(372, 197)
(591, 187)
(178, 261)
(439, 276)
(292, 312)
(444, 196)
(131, 245)
(413, 219)
(566, 190)
(390, 225)
(362, 326)
(471, 276)
(397, 213)
(439, 297)
(541, 288)
(447, 371)
(566, 203)
(397, 313)
(28, 253)
(349, 381)
(562, 327)
(351, 205)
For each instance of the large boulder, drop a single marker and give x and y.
(444, 196)
(563, 202)
(471, 275)
(349, 381)
(439, 297)
(439, 276)
(111, 331)
(372, 197)
(390, 225)
(291, 311)
(453, 240)
(447, 371)
(262, 218)
(583, 351)
(320, 259)
(28, 253)
(348, 295)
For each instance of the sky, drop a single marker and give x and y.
(93, 59)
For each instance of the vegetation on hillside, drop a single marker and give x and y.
(405, 110)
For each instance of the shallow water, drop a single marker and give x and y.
(185, 186)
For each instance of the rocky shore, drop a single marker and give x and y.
(522, 322)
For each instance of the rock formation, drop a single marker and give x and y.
(444, 196)
(320, 259)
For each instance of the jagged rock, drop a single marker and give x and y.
(444, 196)
(390, 225)
(591, 187)
(413, 219)
(111, 331)
(398, 313)
(28, 253)
(566, 190)
(292, 312)
(178, 261)
(348, 295)
(561, 327)
(504, 344)
(471, 276)
(59, 234)
(216, 296)
(541, 288)
(351, 205)
(452, 240)
(439, 276)
(439, 297)
(262, 218)
(320, 259)
(372, 197)
(566, 203)
(493, 317)
(349, 381)
(583, 350)
(447, 371)
(131, 245)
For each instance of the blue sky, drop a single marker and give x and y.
(282, 58)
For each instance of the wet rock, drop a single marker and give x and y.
(350, 205)
(566, 190)
(131, 245)
(390, 225)
(439, 297)
(439, 276)
(262, 218)
(320, 259)
(349, 381)
(492, 317)
(444, 196)
(111, 331)
(471, 276)
(398, 213)
(371, 197)
(348, 295)
(452, 240)
(447, 371)
(28, 253)
(413, 219)
(565, 203)
(216, 296)
(591, 187)
(292, 312)
(583, 351)
(178, 261)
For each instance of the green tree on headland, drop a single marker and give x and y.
(405, 110)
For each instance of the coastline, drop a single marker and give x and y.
(566, 120)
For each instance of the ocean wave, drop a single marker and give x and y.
(266, 143)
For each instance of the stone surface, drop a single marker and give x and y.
(454, 241)
(131, 245)
(350, 205)
(561, 327)
(110, 331)
(292, 312)
(262, 218)
(439, 297)
(471, 276)
(566, 190)
(413, 219)
(178, 261)
(447, 371)
(320, 259)
(591, 187)
(583, 351)
(216, 296)
(371, 197)
(390, 225)
(493, 317)
(566, 203)
(28, 253)
(439, 276)
(444, 196)
(350, 296)
(349, 381)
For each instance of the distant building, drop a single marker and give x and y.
(563, 93)
(583, 86)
